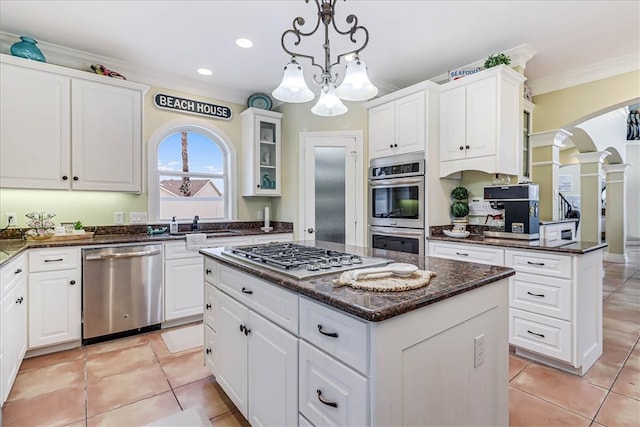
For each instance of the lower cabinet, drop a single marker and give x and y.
(257, 365)
(14, 322)
(183, 287)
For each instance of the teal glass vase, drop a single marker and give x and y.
(26, 48)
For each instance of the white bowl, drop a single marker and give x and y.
(456, 234)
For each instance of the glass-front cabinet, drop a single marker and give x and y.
(261, 145)
(526, 144)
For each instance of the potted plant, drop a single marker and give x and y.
(78, 228)
(460, 207)
(494, 60)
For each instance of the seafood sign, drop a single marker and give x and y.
(192, 106)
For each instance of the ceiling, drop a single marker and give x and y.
(410, 41)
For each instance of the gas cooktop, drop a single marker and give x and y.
(300, 261)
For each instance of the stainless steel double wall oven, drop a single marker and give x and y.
(397, 203)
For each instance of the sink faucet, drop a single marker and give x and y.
(194, 226)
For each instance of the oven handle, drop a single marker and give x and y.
(395, 181)
(395, 232)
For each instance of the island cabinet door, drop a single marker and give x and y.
(232, 351)
(273, 374)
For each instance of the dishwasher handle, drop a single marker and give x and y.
(124, 255)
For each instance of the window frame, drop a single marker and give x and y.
(211, 132)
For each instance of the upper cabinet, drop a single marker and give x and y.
(261, 145)
(398, 123)
(481, 123)
(68, 129)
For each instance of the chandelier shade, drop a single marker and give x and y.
(329, 104)
(355, 85)
(293, 88)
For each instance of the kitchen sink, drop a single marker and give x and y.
(209, 233)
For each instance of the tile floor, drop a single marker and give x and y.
(133, 381)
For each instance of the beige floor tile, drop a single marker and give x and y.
(613, 355)
(45, 380)
(627, 326)
(568, 391)
(628, 384)
(516, 365)
(619, 411)
(58, 408)
(618, 338)
(528, 410)
(602, 374)
(117, 390)
(623, 313)
(634, 359)
(185, 369)
(100, 365)
(162, 352)
(230, 419)
(119, 344)
(207, 394)
(52, 359)
(138, 413)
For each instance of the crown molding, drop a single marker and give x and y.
(597, 71)
(81, 60)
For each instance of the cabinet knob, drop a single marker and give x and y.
(461, 148)
(65, 177)
(466, 147)
(208, 306)
(208, 351)
(19, 300)
(75, 178)
(395, 145)
(258, 185)
(390, 145)
(73, 282)
(18, 271)
(207, 271)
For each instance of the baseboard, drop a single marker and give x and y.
(615, 258)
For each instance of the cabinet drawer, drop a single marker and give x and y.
(547, 296)
(210, 349)
(53, 259)
(275, 303)
(469, 253)
(343, 391)
(12, 272)
(338, 334)
(545, 335)
(173, 250)
(539, 263)
(209, 305)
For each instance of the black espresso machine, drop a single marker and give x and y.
(521, 210)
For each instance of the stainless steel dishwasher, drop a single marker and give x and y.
(122, 290)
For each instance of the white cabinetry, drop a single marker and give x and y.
(555, 313)
(468, 253)
(398, 122)
(55, 296)
(182, 281)
(261, 145)
(13, 342)
(77, 130)
(481, 123)
(257, 363)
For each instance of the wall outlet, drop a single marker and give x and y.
(260, 215)
(138, 217)
(478, 350)
(12, 219)
(118, 218)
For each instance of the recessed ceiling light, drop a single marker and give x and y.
(205, 71)
(244, 43)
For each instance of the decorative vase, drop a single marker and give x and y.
(26, 48)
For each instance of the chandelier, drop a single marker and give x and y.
(355, 85)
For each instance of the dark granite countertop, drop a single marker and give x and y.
(578, 247)
(12, 247)
(452, 278)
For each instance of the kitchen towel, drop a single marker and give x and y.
(386, 282)
(196, 241)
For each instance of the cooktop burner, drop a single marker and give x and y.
(301, 261)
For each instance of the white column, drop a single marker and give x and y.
(616, 212)
(590, 187)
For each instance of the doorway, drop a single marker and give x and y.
(331, 190)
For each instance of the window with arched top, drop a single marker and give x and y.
(190, 174)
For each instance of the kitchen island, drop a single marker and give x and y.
(306, 352)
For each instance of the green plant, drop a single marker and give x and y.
(460, 208)
(78, 225)
(498, 59)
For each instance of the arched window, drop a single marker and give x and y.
(190, 174)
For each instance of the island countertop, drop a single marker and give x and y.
(577, 247)
(452, 278)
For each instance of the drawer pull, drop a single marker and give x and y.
(208, 351)
(208, 306)
(247, 291)
(54, 260)
(19, 300)
(326, 402)
(18, 271)
(536, 295)
(535, 263)
(461, 254)
(207, 271)
(72, 282)
(329, 334)
(533, 333)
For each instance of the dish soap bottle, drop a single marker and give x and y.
(173, 227)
